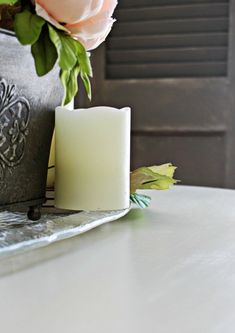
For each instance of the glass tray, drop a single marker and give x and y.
(18, 234)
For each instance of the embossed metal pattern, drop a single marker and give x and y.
(14, 121)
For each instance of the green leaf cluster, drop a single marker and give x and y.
(8, 2)
(73, 60)
(157, 177)
(49, 45)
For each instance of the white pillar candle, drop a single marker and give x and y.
(92, 158)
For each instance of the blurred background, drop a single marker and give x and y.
(173, 62)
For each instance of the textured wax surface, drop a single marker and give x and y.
(92, 158)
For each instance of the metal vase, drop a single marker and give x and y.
(27, 105)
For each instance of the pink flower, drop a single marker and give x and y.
(89, 21)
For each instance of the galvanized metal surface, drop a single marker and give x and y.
(27, 105)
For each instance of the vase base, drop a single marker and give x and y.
(34, 213)
(33, 207)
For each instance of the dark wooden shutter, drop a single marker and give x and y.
(173, 62)
(159, 39)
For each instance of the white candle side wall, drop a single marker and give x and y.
(93, 158)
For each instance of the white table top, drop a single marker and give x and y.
(167, 269)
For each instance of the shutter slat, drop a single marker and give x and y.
(163, 41)
(171, 26)
(167, 55)
(143, 3)
(168, 70)
(172, 12)
(168, 38)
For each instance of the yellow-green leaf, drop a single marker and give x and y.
(148, 178)
(166, 169)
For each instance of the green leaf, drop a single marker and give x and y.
(83, 59)
(70, 51)
(44, 53)
(28, 27)
(65, 48)
(70, 83)
(141, 200)
(148, 178)
(87, 84)
(73, 59)
(8, 2)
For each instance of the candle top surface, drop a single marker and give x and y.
(94, 109)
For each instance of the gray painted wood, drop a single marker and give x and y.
(182, 111)
(171, 26)
(166, 70)
(166, 41)
(137, 3)
(188, 10)
(166, 269)
(168, 55)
